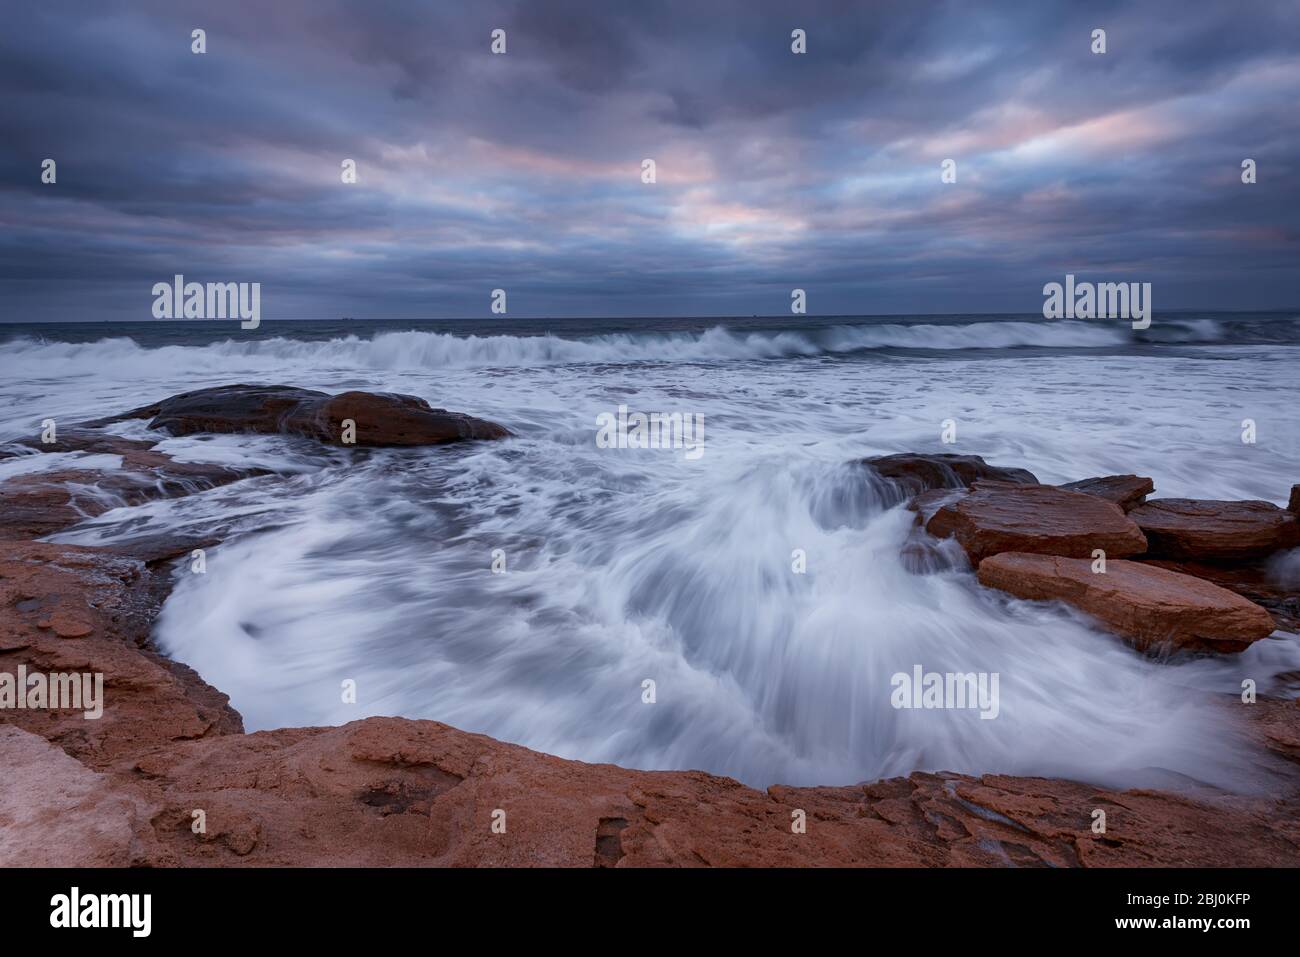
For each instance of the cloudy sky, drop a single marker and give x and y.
(523, 171)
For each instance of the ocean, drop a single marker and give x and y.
(529, 588)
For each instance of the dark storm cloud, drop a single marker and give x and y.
(523, 171)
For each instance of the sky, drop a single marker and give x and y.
(523, 171)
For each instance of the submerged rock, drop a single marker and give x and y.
(380, 419)
(1006, 517)
(36, 504)
(927, 503)
(915, 472)
(1126, 491)
(1154, 607)
(1206, 530)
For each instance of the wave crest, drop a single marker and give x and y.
(433, 350)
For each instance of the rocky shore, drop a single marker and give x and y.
(1169, 575)
(167, 776)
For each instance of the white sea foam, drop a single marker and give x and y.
(431, 350)
(624, 565)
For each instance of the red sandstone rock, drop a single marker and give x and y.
(927, 503)
(69, 626)
(1251, 581)
(56, 812)
(922, 557)
(381, 419)
(90, 441)
(389, 419)
(1154, 607)
(1293, 504)
(40, 503)
(37, 504)
(391, 792)
(65, 608)
(915, 472)
(141, 457)
(121, 790)
(1205, 530)
(1004, 517)
(1126, 491)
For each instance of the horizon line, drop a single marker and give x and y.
(492, 318)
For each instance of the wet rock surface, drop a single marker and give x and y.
(389, 791)
(1007, 517)
(379, 419)
(1126, 491)
(1154, 607)
(916, 472)
(122, 790)
(1251, 580)
(1207, 530)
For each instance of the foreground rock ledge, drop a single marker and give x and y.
(1154, 607)
(381, 419)
(392, 792)
(121, 791)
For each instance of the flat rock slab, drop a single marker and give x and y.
(380, 419)
(914, 472)
(42, 503)
(1005, 517)
(1252, 580)
(1126, 491)
(1206, 530)
(1154, 607)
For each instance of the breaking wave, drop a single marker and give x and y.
(415, 350)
